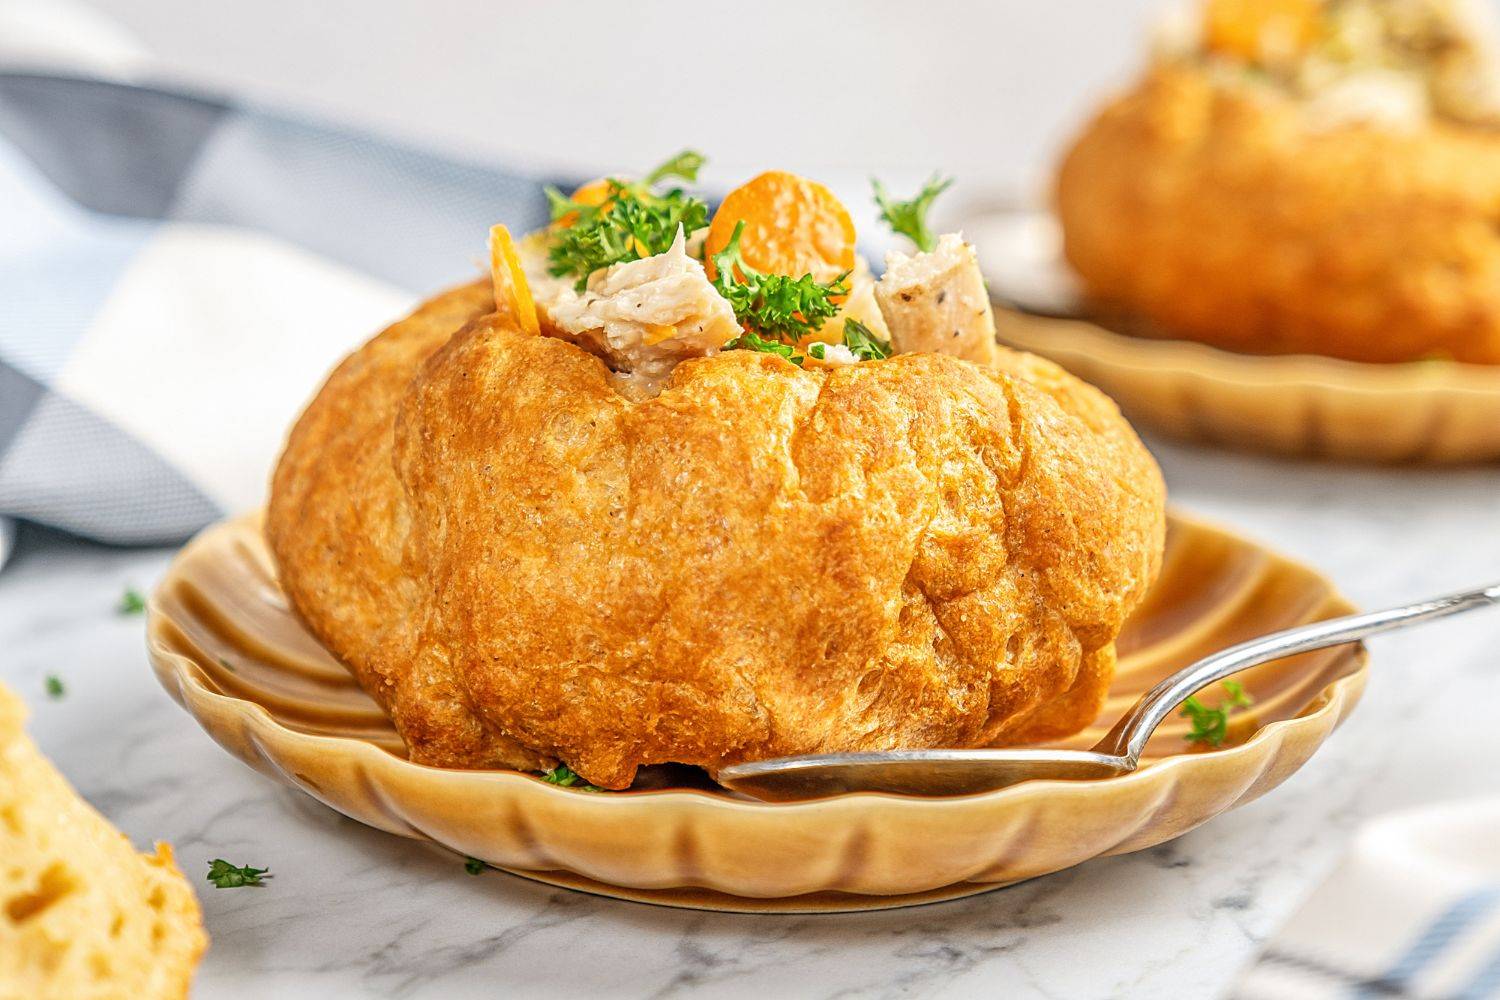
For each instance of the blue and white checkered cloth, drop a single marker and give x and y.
(177, 274)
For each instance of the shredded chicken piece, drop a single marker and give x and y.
(643, 317)
(936, 303)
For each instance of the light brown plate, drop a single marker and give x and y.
(224, 644)
(1296, 404)
(1301, 405)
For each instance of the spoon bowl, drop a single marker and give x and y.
(915, 772)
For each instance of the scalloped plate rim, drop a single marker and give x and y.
(1329, 699)
(1215, 363)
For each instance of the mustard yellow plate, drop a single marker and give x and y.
(1295, 404)
(225, 645)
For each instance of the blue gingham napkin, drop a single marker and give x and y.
(177, 274)
(1413, 911)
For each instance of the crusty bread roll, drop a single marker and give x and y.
(82, 915)
(1303, 176)
(526, 566)
(1217, 211)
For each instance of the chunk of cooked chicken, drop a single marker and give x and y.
(936, 303)
(644, 316)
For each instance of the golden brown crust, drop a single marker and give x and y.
(1221, 213)
(759, 561)
(762, 560)
(336, 523)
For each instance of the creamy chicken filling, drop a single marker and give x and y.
(1397, 63)
(643, 317)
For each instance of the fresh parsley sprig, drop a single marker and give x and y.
(1211, 725)
(750, 341)
(684, 166)
(227, 876)
(633, 221)
(860, 340)
(909, 218)
(566, 777)
(773, 306)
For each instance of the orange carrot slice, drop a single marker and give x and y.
(793, 226)
(512, 293)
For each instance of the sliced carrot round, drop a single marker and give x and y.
(512, 293)
(793, 226)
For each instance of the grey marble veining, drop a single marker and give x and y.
(353, 912)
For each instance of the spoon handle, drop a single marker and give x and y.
(1129, 736)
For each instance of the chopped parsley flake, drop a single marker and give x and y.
(131, 603)
(227, 876)
(566, 777)
(1211, 725)
(55, 688)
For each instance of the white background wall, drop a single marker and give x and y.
(836, 89)
(983, 90)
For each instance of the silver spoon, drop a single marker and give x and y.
(962, 772)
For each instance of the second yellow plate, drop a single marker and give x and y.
(1297, 404)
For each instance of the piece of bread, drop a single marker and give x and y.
(1220, 210)
(762, 560)
(82, 915)
(336, 523)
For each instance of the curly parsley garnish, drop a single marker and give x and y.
(860, 340)
(131, 603)
(685, 166)
(773, 306)
(565, 776)
(749, 341)
(909, 218)
(633, 222)
(1211, 725)
(227, 876)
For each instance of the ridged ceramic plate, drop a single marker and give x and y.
(1299, 405)
(225, 645)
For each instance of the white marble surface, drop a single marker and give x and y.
(353, 912)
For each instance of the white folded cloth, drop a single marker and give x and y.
(1412, 911)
